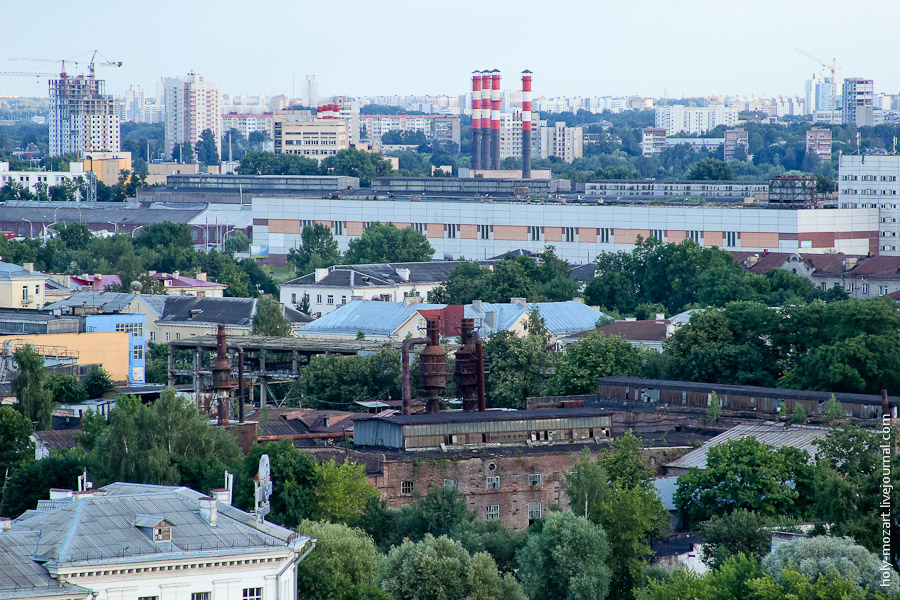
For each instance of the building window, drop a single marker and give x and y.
(568, 234)
(294, 298)
(319, 299)
(659, 234)
(492, 513)
(138, 352)
(534, 511)
(337, 227)
(534, 480)
(177, 336)
(202, 595)
(330, 299)
(534, 233)
(493, 482)
(604, 234)
(864, 288)
(849, 287)
(168, 336)
(484, 232)
(135, 329)
(152, 336)
(420, 227)
(251, 594)
(731, 238)
(406, 487)
(696, 237)
(450, 484)
(451, 230)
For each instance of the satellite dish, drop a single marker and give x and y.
(136, 286)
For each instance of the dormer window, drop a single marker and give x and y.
(162, 532)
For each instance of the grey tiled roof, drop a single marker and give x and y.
(101, 527)
(229, 311)
(379, 274)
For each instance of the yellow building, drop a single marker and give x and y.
(21, 287)
(109, 350)
(158, 173)
(297, 132)
(107, 165)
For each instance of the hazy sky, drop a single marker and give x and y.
(588, 47)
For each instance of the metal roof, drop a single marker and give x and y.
(9, 270)
(285, 344)
(777, 436)
(95, 213)
(372, 318)
(22, 577)
(110, 302)
(488, 415)
(379, 275)
(665, 487)
(101, 527)
(230, 311)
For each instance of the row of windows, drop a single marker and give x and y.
(868, 178)
(535, 511)
(492, 482)
(248, 594)
(135, 329)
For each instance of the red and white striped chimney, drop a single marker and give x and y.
(495, 119)
(526, 124)
(485, 119)
(476, 120)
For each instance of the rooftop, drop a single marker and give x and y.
(489, 415)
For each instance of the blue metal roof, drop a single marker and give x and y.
(370, 317)
(561, 318)
(665, 487)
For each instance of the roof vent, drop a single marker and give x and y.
(518, 301)
(208, 510)
(194, 312)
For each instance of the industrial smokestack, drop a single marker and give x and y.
(485, 119)
(476, 119)
(495, 119)
(526, 124)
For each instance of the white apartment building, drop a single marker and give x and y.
(128, 541)
(695, 120)
(858, 102)
(31, 180)
(653, 141)
(298, 132)
(134, 104)
(873, 182)
(435, 127)
(82, 117)
(248, 123)
(511, 135)
(192, 106)
(563, 142)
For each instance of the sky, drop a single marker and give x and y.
(654, 48)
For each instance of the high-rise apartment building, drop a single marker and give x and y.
(695, 120)
(134, 104)
(734, 139)
(874, 182)
(858, 102)
(653, 141)
(511, 135)
(82, 117)
(818, 141)
(192, 106)
(563, 142)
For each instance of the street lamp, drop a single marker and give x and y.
(133, 231)
(116, 225)
(30, 227)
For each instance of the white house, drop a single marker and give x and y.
(127, 541)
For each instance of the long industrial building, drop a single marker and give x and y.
(481, 228)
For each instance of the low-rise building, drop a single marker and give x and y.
(297, 132)
(110, 350)
(176, 284)
(735, 138)
(158, 172)
(21, 287)
(144, 541)
(818, 141)
(107, 166)
(37, 182)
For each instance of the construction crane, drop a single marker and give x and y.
(109, 63)
(832, 67)
(62, 69)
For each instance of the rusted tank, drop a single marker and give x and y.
(433, 367)
(466, 372)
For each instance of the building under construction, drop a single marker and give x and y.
(83, 118)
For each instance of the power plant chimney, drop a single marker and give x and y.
(476, 120)
(526, 124)
(495, 119)
(485, 119)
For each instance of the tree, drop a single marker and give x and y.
(739, 532)
(342, 491)
(710, 169)
(33, 480)
(15, 440)
(833, 410)
(165, 235)
(798, 415)
(740, 473)
(492, 537)
(238, 242)
(66, 389)
(565, 558)
(714, 408)
(269, 319)
(357, 163)
(823, 555)
(386, 243)
(97, 383)
(295, 472)
(335, 381)
(207, 150)
(517, 368)
(441, 569)
(34, 401)
(467, 282)
(595, 356)
(164, 443)
(259, 162)
(318, 249)
(343, 565)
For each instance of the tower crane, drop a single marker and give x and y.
(832, 67)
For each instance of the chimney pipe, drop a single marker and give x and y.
(526, 124)
(495, 119)
(208, 510)
(5, 524)
(479, 361)
(485, 120)
(476, 120)
(404, 363)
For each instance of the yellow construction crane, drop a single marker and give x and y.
(832, 67)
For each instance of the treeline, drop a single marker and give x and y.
(161, 247)
(350, 162)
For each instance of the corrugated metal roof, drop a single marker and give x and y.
(777, 436)
(665, 487)
(373, 318)
(20, 576)
(489, 415)
(102, 527)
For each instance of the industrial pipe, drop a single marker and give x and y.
(526, 124)
(404, 362)
(240, 352)
(479, 361)
(476, 120)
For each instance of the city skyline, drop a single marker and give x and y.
(655, 50)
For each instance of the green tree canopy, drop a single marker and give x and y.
(357, 163)
(35, 402)
(259, 162)
(710, 169)
(336, 382)
(15, 440)
(577, 370)
(739, 532)
(342, 491)
(565, 558)
(269, 319)
(66, 389)
(98, 382)
(295, 472)
(343, 565)
(33, 480)
(517, 368)
(318, 249)
(386, 243)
